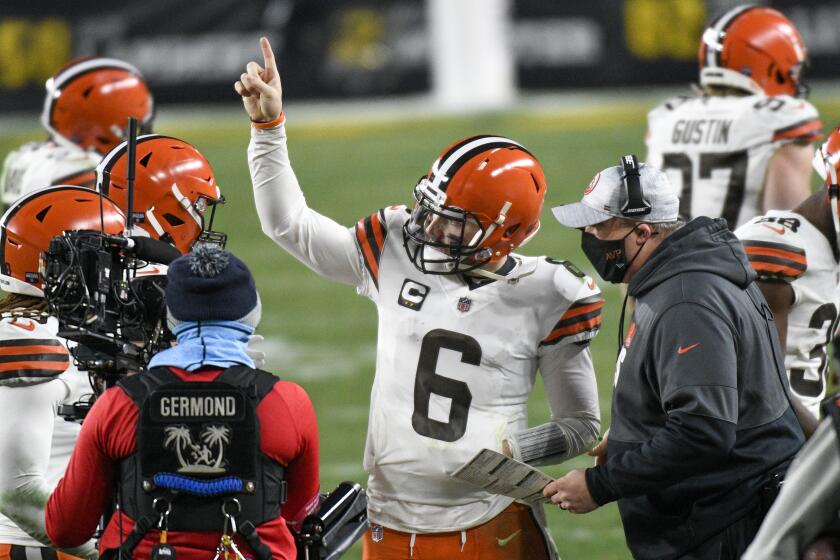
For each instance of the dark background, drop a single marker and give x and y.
(194, 51)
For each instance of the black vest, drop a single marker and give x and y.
(198, 447)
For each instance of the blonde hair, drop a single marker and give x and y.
(23, 305)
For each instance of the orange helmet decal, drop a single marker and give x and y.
(174, 184)
(481, 200)
(88, 103)
(33, 220)
(755, 49)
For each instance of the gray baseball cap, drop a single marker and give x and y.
(605, 195)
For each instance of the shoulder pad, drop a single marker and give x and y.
(790, 119)
(29, 353)
(669, 104)
(580, 317)
(371, 233)
(773, 249)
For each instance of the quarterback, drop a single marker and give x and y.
(795, 254)
(86, 112)
(464, 325)
(37, 374)
(743, 146)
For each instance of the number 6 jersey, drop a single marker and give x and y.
(454, 368)
(782, 246)
(716, 149)
(456, 357)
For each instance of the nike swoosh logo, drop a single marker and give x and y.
(683, 349)
(503, 542)
(779, 230)
(145, 271)
(30, 326)
(591, 284)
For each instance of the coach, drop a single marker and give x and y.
(702, 426)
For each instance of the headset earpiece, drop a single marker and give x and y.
(634, 197)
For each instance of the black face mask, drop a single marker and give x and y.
(607, 256)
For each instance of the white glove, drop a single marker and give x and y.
(255, 353)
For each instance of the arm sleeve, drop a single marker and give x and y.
(28, 415)
(81, 497)
(318, 242)
(693, 361)
(570, 387)
(302, 474)
(807, 503)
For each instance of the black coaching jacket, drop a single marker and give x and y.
(701, 414)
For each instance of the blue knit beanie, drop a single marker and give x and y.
(210, 284)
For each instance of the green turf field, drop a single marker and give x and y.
(322, 335)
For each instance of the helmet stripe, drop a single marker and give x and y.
(445, 168)
(716, 32)
(88, 66)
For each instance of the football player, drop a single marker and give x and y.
(464, 325)
(86, 112)
(743, 146)
(37, 374)
(795, 254)
(174, 187)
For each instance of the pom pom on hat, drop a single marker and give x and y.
(211, 284)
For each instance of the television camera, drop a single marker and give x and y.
(108, 297)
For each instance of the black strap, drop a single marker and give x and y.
(255, 382)
(126, 549)
(635, 203)
(261, 551)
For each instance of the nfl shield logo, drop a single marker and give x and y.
(377, 533)
(464, 304)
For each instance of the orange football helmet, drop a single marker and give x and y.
(481, 200)
(755, 49)
(173, 187)
(34, 219)
(827, 164)
(89, 101)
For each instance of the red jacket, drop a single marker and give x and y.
(288, 434)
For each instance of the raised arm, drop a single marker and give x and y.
(320, 243)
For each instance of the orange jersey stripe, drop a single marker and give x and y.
(574, 329)
(81, 179)
(777, 269)
(808, 130)
(377, 231)
(781, 253)
(367, 252)
(57, 366)
(35, 349)
(582, 310)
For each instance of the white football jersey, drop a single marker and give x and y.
(30, 351)
(42, 164)
(716, 150)
(454, 369)
(784, 246)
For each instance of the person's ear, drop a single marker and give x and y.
(643, 233)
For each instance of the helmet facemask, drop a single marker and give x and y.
(444, 239)
(208, 236)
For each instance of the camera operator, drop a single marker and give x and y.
(37, 374)
(202, 446)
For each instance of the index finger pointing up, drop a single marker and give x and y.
(268, 55)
